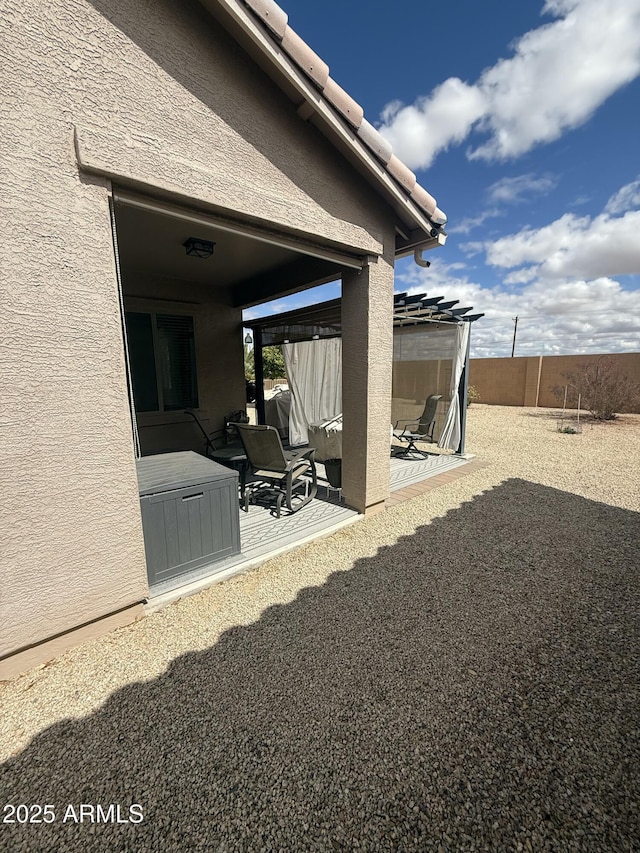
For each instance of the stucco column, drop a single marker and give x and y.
(367, 361)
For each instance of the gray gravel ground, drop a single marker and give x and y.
(458, 673)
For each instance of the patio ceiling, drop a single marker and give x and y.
(324, 320)
(253, 264)
(154, 243)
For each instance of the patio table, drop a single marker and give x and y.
(233, 456)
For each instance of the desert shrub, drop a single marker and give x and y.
(472, 395)
(605, 389)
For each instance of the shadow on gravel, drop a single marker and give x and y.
(473, 687)
(550, 414)
(570, 414)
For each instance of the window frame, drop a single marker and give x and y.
(167, 311)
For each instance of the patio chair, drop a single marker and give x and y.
(220, 438)
(279, 472)
(421, 430)
(210, 439)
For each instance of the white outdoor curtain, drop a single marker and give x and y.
(450, 436)
(314, 371)
(423, 358)
(427, 342)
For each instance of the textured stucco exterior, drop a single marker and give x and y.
(154, 94)
(367, 359)
(208, 125)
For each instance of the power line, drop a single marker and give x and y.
(541, 316)
(570, 352)
(477, 341)
(572, 339)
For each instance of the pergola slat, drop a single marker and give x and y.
(324, 320)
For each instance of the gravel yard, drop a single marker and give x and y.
(460, 672)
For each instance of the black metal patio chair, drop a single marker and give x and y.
(420, 430)
(279, 472)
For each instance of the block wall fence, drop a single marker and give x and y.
(529, 381)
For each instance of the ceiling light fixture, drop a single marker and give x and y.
(198, 248)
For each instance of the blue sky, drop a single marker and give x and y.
(522, 118)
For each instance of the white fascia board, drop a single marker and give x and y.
(424, 245)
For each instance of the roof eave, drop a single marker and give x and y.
(245, 29)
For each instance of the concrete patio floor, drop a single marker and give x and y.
(264, 537)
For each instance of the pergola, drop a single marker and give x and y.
(324, 320)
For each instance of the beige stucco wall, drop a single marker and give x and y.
(71, 537)
(207, 124)
(367, 357)
(154, 92)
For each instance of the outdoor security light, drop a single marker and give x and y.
(198, 248)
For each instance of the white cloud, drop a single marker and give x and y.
(469, 223)
(521, 276)
(518, 189)
(559, 75)
(474, 247)
(627, 198)
(561, 286)
(574, 247)
(419, 131)
(506, 191)
(577, 316)
(579, 201)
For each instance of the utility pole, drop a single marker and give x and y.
(515, 329)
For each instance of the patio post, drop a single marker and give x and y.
(463, 396)
(258, 365)
(367, 361)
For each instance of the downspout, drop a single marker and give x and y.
(417, 257)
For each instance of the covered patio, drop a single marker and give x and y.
(431, 365)
(191, 258)
(264, 538)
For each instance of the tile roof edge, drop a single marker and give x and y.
(275, 21)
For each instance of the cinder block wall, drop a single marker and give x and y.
(529, 381)
(500, 381)
(554, 366)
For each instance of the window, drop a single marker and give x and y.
(163, 361)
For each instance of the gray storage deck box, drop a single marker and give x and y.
(190, 513)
